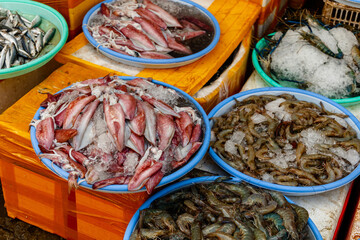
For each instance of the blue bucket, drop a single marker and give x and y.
(226, 105)
(156, 63)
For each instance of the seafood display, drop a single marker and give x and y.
(111, 131)
(283, 140)
(222, 210)
(144, 29)
(313, 56)
(21, 40)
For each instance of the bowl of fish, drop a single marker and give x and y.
(120, 134)
(285, 139)
(151, 34)
(214, 208)
(31, 33)
(314, 57)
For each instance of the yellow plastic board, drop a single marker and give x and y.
(235, 18)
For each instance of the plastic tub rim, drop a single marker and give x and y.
(115, 188)
(45, 58)
(298, 191)
(187, 183)
(159, 62)
(255, 60)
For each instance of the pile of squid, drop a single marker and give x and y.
(111, 131)
(286, 141)
(146, 30)
(222, 211)
(21, 40)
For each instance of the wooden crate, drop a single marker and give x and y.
(334, 13)
(235, 18)
(36, 195)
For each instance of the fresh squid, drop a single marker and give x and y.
(110, 131)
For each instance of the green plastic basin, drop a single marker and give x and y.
(45, 12)
(255, 60)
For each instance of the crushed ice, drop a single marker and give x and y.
(294, 59)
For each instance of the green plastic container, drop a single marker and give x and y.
(24, 7)
(255, 60)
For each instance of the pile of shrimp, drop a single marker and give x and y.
(310, 55)
(286, 141)
(222, 211)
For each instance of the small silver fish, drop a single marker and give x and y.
(9, 37)
(49, 35)
(32, 48)
(39, 43)
(3, 55)
(13, 53)
(21, 40)
(7, 59)
(36, 21)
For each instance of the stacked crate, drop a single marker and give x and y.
(271, 11)
(73, 11)
(36, 195)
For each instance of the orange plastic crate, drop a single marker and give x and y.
(271, 11)
(36, 195)
(73, 11)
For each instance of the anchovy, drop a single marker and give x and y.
(32, 48)
(13, 53)
(31, 35)
(9, 37)
(39, 42)
(10, 16)
(36, 21)
(3, 55)
(4, 27)
(25, 44)
(7, 59)
(37, 30)
(21, 40)
(26, 21)
(24, 54)
(20, 23)
(49, 35)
